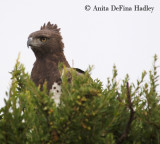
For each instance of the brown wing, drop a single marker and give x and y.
(67, 72)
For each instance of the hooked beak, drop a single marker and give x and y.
(29, 42)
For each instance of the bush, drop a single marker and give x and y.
(88, 113)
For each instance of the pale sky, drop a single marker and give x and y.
(127, 39)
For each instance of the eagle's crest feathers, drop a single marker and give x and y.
(50, 26)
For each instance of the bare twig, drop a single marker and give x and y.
(127, 129)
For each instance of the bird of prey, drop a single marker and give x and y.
(47, 46)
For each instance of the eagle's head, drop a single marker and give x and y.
(46, 41)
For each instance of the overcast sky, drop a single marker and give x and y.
(127, 39)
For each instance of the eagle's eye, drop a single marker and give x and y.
(43, 39)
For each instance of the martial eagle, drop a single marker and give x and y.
(48, 48)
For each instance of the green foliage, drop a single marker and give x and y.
(125, 113)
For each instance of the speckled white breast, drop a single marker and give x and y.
(56, 91)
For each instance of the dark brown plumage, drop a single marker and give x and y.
(48, 47)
